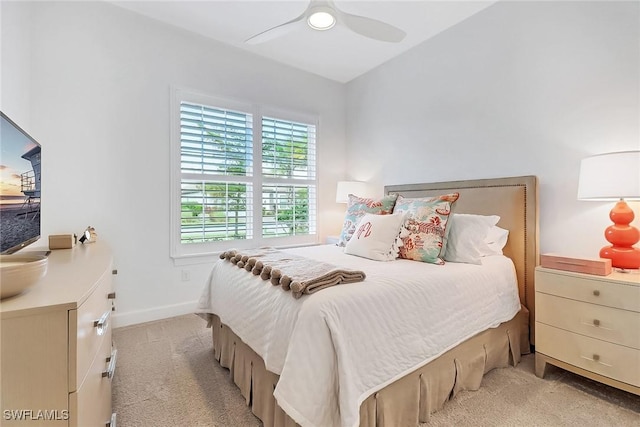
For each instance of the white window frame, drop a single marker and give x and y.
(184, 250)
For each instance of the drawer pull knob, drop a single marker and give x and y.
(114, 272)
(111, 295)
(596, 322)
(111, 369)
(596, 357)
(102, 324)
(596, 293)
(112, 421)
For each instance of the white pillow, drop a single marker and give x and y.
(495, 241)
(376, 237)
(466, 242)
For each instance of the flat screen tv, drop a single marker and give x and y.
(20, 184)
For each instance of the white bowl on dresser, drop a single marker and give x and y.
(19, 272)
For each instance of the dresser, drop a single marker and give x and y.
(589, 325)
(57, 358)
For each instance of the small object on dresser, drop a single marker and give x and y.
(597, 266)
(89, 235)
(62, 241)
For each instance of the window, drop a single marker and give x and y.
(233, 189)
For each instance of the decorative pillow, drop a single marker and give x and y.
(425, 227)
(376, 237)
(467, 234)
(358, 207)
(495, 241)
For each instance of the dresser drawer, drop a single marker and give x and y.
(589, 290)
(91, 324)
(610, 360)
(91, 404)
(605, 323)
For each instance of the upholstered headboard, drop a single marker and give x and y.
(515, 200)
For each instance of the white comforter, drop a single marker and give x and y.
(334, 348)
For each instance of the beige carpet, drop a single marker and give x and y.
(166, 376)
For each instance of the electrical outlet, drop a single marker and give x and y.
(186, 275)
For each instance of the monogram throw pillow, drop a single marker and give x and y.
(376, 237)
(358, 207)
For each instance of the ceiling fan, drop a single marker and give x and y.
(322, 15)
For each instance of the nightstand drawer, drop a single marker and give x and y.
(604, 323)
(589, 290)
(610, 360)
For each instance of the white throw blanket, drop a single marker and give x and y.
(335, 348)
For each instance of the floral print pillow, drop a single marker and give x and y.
(357, 207)
(425, 227)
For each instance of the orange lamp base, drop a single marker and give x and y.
(622, 237)
(627, 258)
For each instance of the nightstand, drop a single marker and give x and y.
(589, 325)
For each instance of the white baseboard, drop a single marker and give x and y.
(149, 315)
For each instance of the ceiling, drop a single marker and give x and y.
(337, 54)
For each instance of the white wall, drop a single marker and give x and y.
(15, 61)
(100, 80)
(521, 88)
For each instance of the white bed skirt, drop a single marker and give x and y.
(406, 402)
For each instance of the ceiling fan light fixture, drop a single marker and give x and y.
(321, 19)
(322, 15)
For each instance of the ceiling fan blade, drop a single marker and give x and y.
(372, 28)
(275, 32)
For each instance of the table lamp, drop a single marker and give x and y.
(344, 188)
(615, 176)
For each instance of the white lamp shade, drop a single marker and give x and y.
(610, 176)
(345, 188)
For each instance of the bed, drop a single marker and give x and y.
(315, 361)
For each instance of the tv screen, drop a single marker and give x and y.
(19, 187)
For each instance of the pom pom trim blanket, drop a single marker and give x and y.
(292, 272)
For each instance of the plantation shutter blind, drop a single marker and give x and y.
(289, 173)
(215, 141)
(232, 187)
(216, 163)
